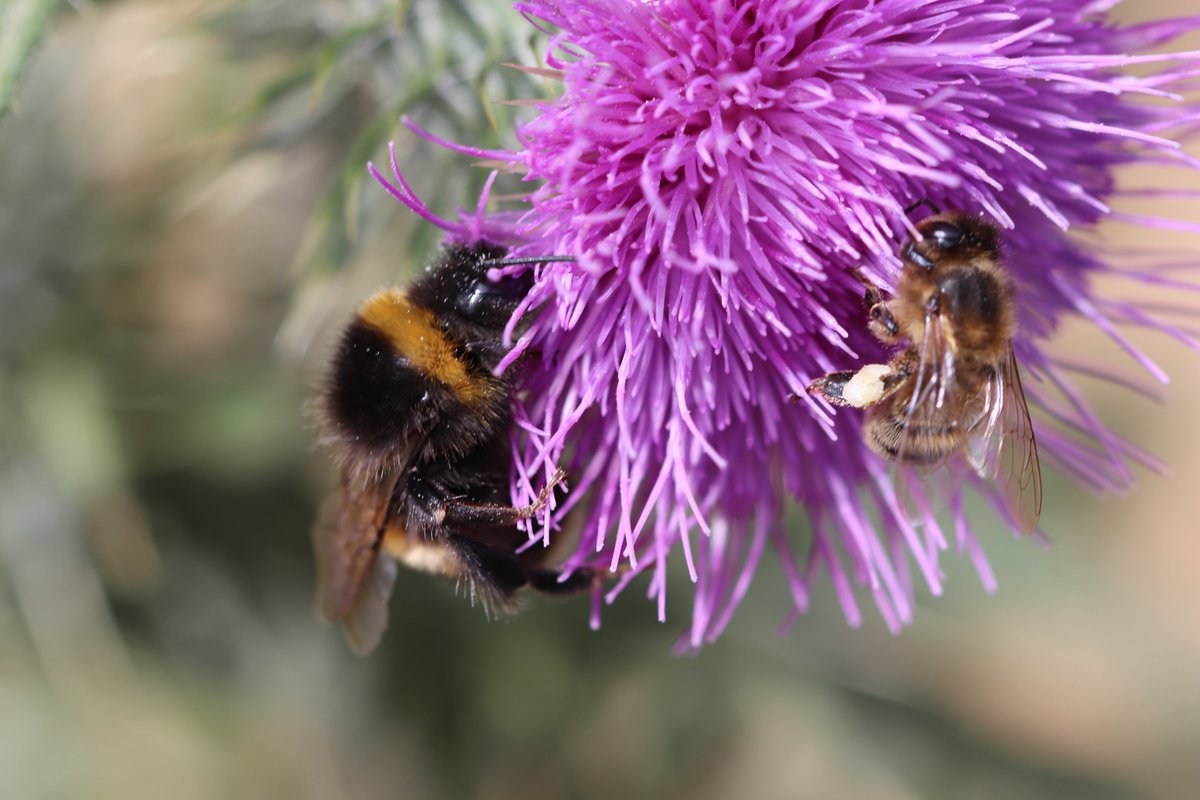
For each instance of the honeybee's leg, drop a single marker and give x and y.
(879, 304)
(831, 387)
(861, 388)
(883, 324)
(874, 294)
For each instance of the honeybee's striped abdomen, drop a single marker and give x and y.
(891, 434)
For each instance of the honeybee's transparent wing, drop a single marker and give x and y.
(925, 490)
(353, 582)
(1002, 447)
(928, 469)
(931, 406)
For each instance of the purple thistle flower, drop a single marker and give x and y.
(718, 169)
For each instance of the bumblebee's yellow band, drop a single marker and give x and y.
(415, 334)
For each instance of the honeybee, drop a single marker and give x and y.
(954, 388)
(420, 427)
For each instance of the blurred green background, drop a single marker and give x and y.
(184, 222)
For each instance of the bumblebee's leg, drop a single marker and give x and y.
(434, 508)
(455, 512)
(548, 581)
(490, 566)
(493, 574)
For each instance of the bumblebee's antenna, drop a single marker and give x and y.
(924, 201)
(504, 262)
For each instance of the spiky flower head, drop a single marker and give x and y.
(719, 169)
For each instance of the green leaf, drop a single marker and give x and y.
(22, 23)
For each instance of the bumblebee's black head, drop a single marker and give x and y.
(953, 236)
(458, 287)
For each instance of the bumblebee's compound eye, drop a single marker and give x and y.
(944, 235)
(492, 302)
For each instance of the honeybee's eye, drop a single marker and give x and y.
(944, 235)
(910, 253)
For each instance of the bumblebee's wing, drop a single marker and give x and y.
(353, 582)
(367, 618)
(1003, 448)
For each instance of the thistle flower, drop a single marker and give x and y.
(718, 169)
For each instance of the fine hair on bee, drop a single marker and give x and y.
(953, 388)
(420, 427)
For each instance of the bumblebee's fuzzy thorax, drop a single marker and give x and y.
(412, 378)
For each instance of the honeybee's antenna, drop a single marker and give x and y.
(504, 262)
(924, 201)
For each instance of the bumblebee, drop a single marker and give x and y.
(953, 388)
(420, 426)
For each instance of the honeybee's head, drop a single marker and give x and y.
(458, 287)
(954, 236)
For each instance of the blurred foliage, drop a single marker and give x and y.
(183, 212)
(22, 23)
(356, 68)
